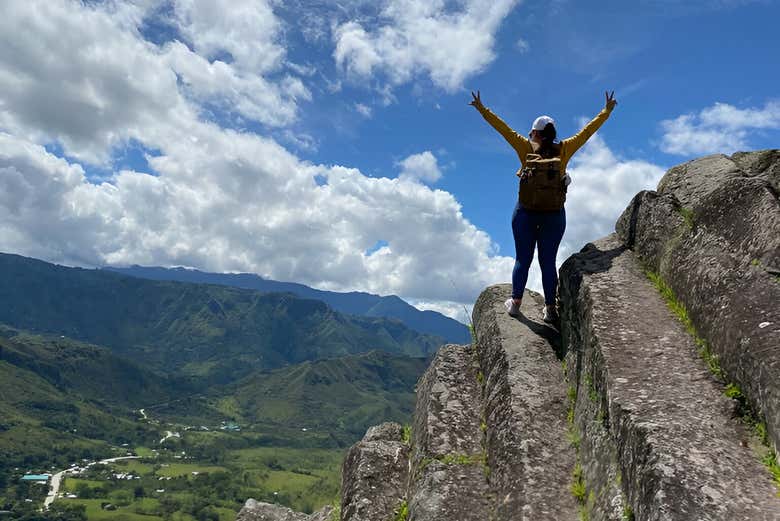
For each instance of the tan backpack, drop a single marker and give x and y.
(542, 183)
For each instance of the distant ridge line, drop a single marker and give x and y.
(353, 303)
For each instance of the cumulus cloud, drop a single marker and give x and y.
(213, 198)
(721, 128)
(234, 48)
(76, 77)
(225, 86)
(218, 199)
(423, 166)
(460, 312)
(84, 77)
(225, 201)
(246, 30)
(445, 41)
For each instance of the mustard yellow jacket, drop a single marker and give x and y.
(523, 147)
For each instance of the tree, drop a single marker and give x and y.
(84, 491)
(64, 511)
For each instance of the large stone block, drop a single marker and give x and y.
(448, 469)
(655, 432)
(528, 453)
(374, 475)
(712, 231)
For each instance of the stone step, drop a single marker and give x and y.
(657, 437)
(374, 475)
(448, 480)
(528, 453)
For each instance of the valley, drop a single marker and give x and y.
(150, 400)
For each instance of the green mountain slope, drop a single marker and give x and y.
(94, 373)
(215, 333)
(343, 395)
(352, 303)
(40, 424)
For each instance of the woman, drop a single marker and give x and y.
(536, 228)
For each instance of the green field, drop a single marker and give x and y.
(165, 488)
(186, 469)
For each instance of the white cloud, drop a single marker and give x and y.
(363, 109)
(427, 37)
(522, 45)
(458, 311)
(220, 200)
(75, 76)
(234, 202)
(250, 95)
(423, 167)
(721, 128)
(84, 77)
(247, 30)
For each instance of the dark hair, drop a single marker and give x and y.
(548, 148)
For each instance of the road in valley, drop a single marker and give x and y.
(56, 480)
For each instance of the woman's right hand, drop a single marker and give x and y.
(476, 102)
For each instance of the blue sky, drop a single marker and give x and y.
(332, 143)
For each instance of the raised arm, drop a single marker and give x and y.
(573, 143)
(518, 142)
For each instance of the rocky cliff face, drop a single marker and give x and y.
(656, 400)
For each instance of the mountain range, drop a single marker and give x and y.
(203, 332)
(353, 303)
(81, 351)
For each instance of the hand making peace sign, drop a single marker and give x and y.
(610, 100)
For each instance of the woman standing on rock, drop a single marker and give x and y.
(537, 224)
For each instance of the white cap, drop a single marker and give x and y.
(541, 122)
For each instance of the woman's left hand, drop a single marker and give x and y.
(611, 101)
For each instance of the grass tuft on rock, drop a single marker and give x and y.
(687, 215)
(578, 484)
(402, 512)
(406, 434)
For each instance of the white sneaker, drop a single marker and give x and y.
(550, 316)
(512, 308)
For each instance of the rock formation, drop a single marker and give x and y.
(656, 401)
(259, 511)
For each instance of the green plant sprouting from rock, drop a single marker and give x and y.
(406, 434)
(335, 514)
(455, 459)
(572, 394)
(593, 395)
(687, 215)
(578, 484)
(402, 512)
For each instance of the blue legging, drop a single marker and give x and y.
(542, 229)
